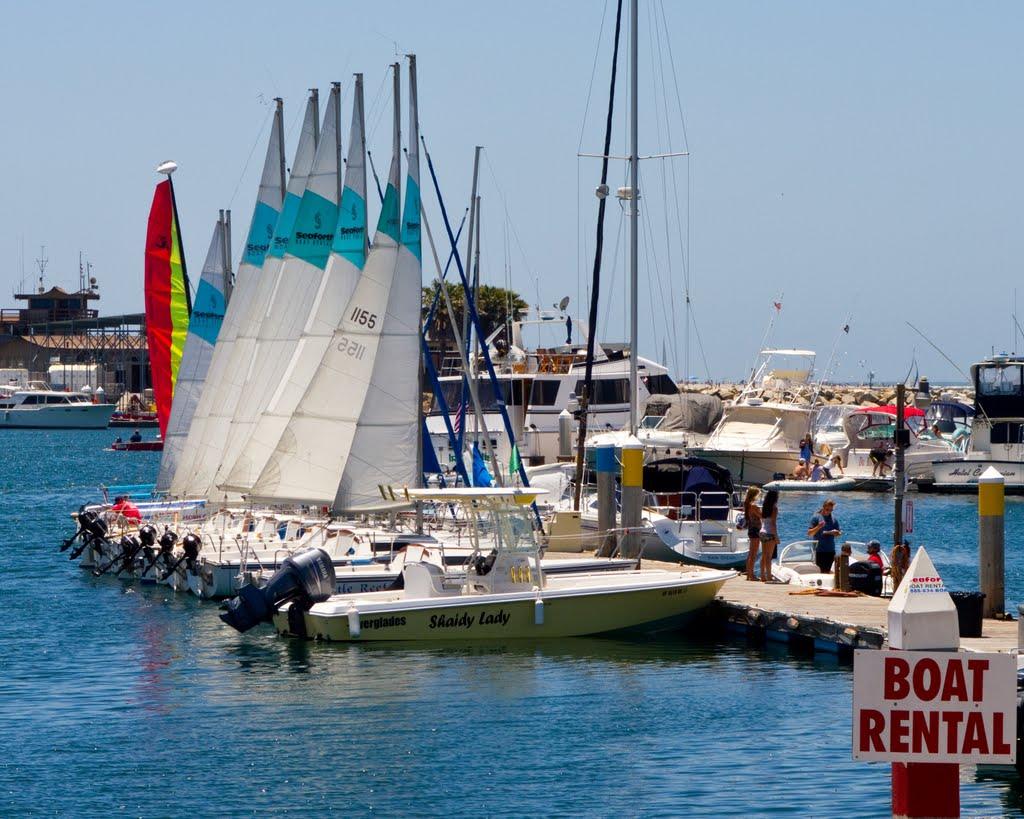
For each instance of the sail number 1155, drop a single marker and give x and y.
(364, 317)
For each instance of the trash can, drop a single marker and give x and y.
(968, 611)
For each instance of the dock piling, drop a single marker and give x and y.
(632, 495)
(606, 471)
(991, 540)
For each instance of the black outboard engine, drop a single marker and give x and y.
(303, 579)
(166, 553)
(147, 536)
(126, 557)
(866, 577)
(190, 545)
(93, 529)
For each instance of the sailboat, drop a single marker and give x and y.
(331, 271)
(204, 326)
(209, 440)
(269, 202)
(168, 295)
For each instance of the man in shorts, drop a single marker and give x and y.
(825, 529)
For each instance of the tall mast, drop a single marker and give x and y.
(634, 221)
(279, 125)
(336, 89)
(467, 330)
(314, 95)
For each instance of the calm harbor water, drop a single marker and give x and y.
(116, 699)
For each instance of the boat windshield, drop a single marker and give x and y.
(1000, 380)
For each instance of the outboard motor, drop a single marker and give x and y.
(129, 548)
(303, 579)
(166, 553)
(94, 528)
(190, 544)
(147, 536)
(866, 577)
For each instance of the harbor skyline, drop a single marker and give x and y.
(855, 164)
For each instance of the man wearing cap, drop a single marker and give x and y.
(825, 529)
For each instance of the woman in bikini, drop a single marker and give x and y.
(769, 532)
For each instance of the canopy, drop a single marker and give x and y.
(889, 409)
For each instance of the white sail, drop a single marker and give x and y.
(211, 448)
(337, 283)
(385, 449)
(301, 287)
(208, 308)
(311, 453)
(269, 201)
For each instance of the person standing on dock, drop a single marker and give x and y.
(752, 515)
(769, 532)
(825, 529)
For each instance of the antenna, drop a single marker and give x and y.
(42, 261)
(81, 273)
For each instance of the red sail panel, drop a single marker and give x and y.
(167, 299)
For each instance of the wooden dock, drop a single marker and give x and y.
(834, 625)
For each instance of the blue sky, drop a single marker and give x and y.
(863, 160)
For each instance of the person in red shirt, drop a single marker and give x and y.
(123, 506)
(874, 553)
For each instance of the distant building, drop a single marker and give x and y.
(57, 330)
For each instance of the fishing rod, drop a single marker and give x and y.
(956, 367)
(827, 372)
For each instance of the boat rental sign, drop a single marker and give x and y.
(937, 706)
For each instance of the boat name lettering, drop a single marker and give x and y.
(672, 592)
(467, 621)
(381, 622)
(364, 317)
(351, 347)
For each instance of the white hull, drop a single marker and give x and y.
(58, 416)
(752, 466)
(964, 474)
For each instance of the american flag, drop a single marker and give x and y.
(457, 423)
(778, 305)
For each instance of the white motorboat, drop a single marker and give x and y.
(997, 430)
(689, 515)
(795, 565)
(867, 428)
(503, 593)
(759, 435)
(51, 409)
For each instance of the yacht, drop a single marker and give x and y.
(997, 430)
(537, 384)
(51, 409)
(758, 438)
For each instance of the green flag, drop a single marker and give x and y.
(513, 461)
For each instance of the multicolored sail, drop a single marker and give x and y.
(168, 298)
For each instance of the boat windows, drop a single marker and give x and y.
(607, 390)
(30, 399)
(999, 380)
(660, 385)
(544, 392)
(512, 392)
(1007, 432)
